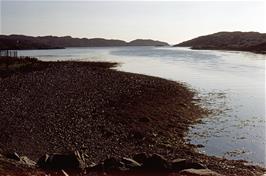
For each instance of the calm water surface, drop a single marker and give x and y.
(230, 83)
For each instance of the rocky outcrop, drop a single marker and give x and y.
(239, 41)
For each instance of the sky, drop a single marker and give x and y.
(170, 21)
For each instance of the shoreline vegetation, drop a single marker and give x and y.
(59, 108)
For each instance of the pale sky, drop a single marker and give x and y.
(172, 21)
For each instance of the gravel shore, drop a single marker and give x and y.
(86, 106)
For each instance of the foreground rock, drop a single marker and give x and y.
(156, 162)
(130, 163)
(181, 164)
(74, 161)
(140, 157)
(199, 172)
(24, 160)
(73, 164)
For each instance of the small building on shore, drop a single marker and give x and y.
(8, 53)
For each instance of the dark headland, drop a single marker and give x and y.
(104, 114)
(19, 42)
(236, 41)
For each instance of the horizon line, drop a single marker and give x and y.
(74, 37)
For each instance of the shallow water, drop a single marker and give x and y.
(230, 83)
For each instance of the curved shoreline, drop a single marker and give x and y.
(85, 106)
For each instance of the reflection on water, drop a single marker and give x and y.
(230, 83)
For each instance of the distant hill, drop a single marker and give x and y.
(24, 42)
(240, 41)
(50, 42)
(147, 42)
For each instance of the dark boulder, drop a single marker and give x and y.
(112, 164)
(96, 168)
(181, 164)
(140, 157)
(43, 161)
(13, 156)
(62, 161)
(156, 162)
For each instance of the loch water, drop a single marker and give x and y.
(230, 83)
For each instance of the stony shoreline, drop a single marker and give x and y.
(58, 107)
